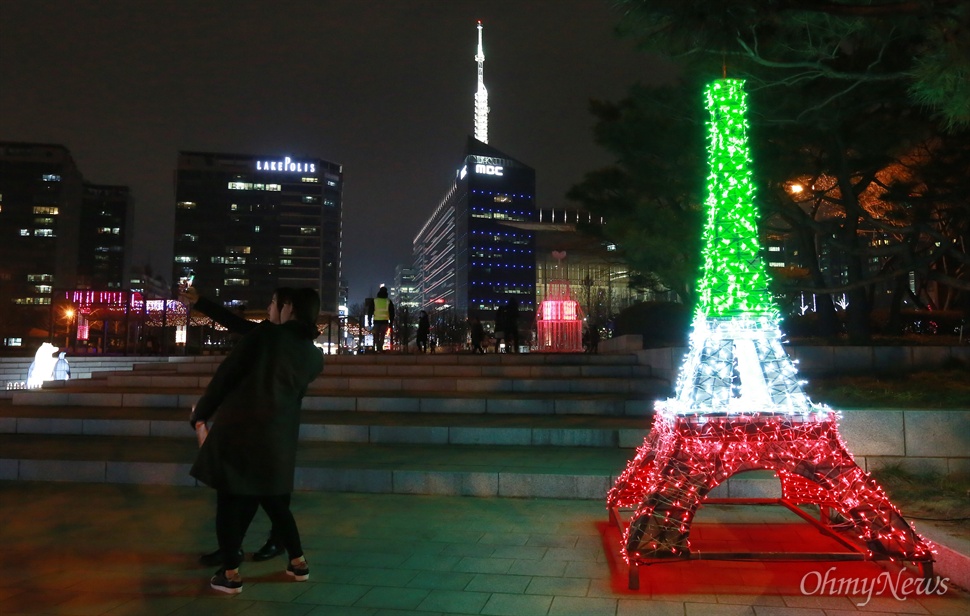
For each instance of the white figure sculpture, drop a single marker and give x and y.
(42, 368)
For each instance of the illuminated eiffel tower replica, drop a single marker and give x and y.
(739, 405)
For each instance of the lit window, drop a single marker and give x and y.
(43, 233)
(236, 282)
(502, 199)
(774, 248)
(311, 180)
(274, 187)
(240, 186)
(287, 251)
(255, 228)
(51, 177)
(24, 232)
(186, 205)
(310, 199)
(13, 342)
(238, 250)
(184, 259)
(775, 264)
(45, 209)
(286, 261)
(233, 207)
(308, 230)
(332, 183)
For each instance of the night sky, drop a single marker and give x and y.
(384, 88)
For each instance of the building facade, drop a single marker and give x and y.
(40, 206)
(247, 224)
(105, 241)
(467, 258)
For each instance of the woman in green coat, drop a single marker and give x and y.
(249, 456)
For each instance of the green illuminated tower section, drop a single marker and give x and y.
(736, 364)
(734, 282)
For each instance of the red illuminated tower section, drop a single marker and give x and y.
(739, 406)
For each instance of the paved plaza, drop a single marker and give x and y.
(101, 549)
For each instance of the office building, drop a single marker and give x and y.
(247, 224)
(40, 206)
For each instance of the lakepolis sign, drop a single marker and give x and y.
(287, 164)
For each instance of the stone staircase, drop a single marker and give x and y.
(530, 425)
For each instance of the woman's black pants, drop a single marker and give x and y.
(234, 514)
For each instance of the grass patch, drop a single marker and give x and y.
(928, 496)
(945, 388)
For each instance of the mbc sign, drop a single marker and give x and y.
(489, 169)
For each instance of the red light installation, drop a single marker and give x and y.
(559, 322)
(738, 405)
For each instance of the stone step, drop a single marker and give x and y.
(456, 470)
(423, 402)
(468, 470)
(414, 382)
(358, 427)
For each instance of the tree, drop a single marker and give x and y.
(840, 92)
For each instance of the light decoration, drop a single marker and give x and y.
(481, 96)
(738, 404)
(559, 320)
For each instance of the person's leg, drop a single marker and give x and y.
(274, 543)
(278, 509)
(234, 513)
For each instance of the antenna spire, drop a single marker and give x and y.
(481, 96)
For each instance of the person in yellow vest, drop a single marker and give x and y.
(383, 318)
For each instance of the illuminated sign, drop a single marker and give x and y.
(287, 164)
(489, 169)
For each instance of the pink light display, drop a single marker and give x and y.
(559, 324)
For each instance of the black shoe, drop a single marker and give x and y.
(230, 584)
(270, 549)
(214, 559)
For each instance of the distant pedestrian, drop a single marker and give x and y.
(424, 328)
(499, 327)
(477, 334)
(383, 316)
(512, 326)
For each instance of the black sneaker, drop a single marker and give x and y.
(300, 571)
(270, 549)
(231, 584)
(214, 559)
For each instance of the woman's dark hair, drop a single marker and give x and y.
(306, 305)
(382, 292)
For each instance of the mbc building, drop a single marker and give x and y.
(245, 225)
(467, 256)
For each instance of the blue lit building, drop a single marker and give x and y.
(468, 256)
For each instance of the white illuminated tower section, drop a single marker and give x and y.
(481, 96)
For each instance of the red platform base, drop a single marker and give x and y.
(685, 457)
